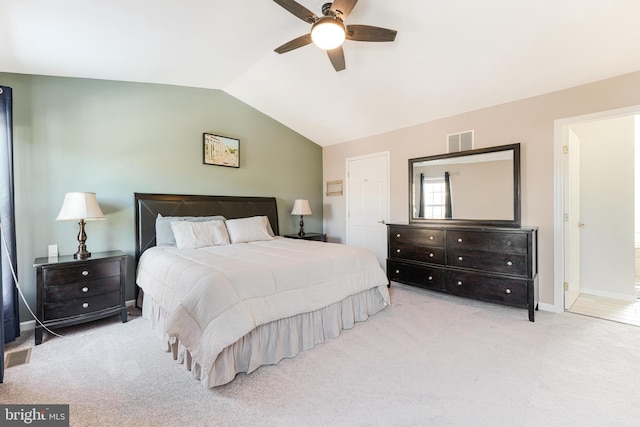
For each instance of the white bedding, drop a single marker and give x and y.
(214, 296)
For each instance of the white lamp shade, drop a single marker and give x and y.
(77, 206)
(301, 207)
(327, 34)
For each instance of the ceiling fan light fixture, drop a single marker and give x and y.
(328, 33)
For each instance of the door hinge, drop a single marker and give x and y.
(565, 149)
(566, 286)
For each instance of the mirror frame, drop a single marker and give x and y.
(497, 222)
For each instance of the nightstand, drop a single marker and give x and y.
(308, 236)
(72, 291)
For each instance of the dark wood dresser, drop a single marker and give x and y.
(72, 291)
(486, 263)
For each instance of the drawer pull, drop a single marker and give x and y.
(508, 291)
(509, 263)
(397, 271)
(459, 283)
(459, 258)
(430, 237)
(431, 255)
(460, 239)
(508, 242)
(85, 289)
(430, 278)
(85, 305)
(398, 235)
(397, 251)
(85, 273)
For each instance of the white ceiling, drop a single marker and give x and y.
(450, 56)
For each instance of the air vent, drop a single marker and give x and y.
(460, 141)
(18, 357)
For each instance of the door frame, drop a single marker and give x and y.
(559, 244)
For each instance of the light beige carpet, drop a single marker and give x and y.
(429, 359)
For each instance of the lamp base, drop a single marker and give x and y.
(82, 247)
(301, 232)
(82, 254)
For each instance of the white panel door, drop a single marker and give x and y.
(572, 224)
(368, 203)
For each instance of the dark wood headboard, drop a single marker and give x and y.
(148, 206)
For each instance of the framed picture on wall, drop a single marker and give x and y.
(220, 150)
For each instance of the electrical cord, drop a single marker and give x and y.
(15, 278)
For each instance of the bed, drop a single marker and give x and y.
(241, 296)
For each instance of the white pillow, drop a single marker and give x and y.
(250, 229)
(193, 235)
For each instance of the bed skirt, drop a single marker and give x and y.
(268, 344)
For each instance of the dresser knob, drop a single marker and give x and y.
(459, 283)
(85, 289)
(430, 278)
(397, 251)
(509, 263)
(508, 291)
(85, 273)
(460, 239)
(508, 242)
(459, 258)
(431, 255)
(398, 235)
(85, 305)
(397, 271)
(430, 237)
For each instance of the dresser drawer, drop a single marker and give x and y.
(423, 276)
(505, 242)
(417, 253)
(57, 275)
(494, 289)
(488, 261)
(59, 310)
(85, 289)
(416, 236)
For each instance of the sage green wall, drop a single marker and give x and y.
(117, 138)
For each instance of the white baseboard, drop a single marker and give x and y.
(546, 307)
(30, 325)
(27, 326)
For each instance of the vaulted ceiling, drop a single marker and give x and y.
(449, 56)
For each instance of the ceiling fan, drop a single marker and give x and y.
(329, 31)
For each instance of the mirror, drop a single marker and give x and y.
(475, 186)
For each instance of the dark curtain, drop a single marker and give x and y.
(421, 201)
(447, 195)
(9, 312)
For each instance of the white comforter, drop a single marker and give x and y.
(214, 296)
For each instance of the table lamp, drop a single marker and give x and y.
(301, 207)
(80, 207)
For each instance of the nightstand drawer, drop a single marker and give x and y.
(59, 310)
(89, 271)
(81, 289)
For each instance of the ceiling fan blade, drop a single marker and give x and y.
(367, 33)
(336, 56)
(343, 7)
(294, 44)
(298, 10)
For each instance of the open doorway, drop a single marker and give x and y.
(598, 266)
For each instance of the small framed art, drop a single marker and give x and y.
(220, 150)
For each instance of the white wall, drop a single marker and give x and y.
(529, 121)
(607, 255)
